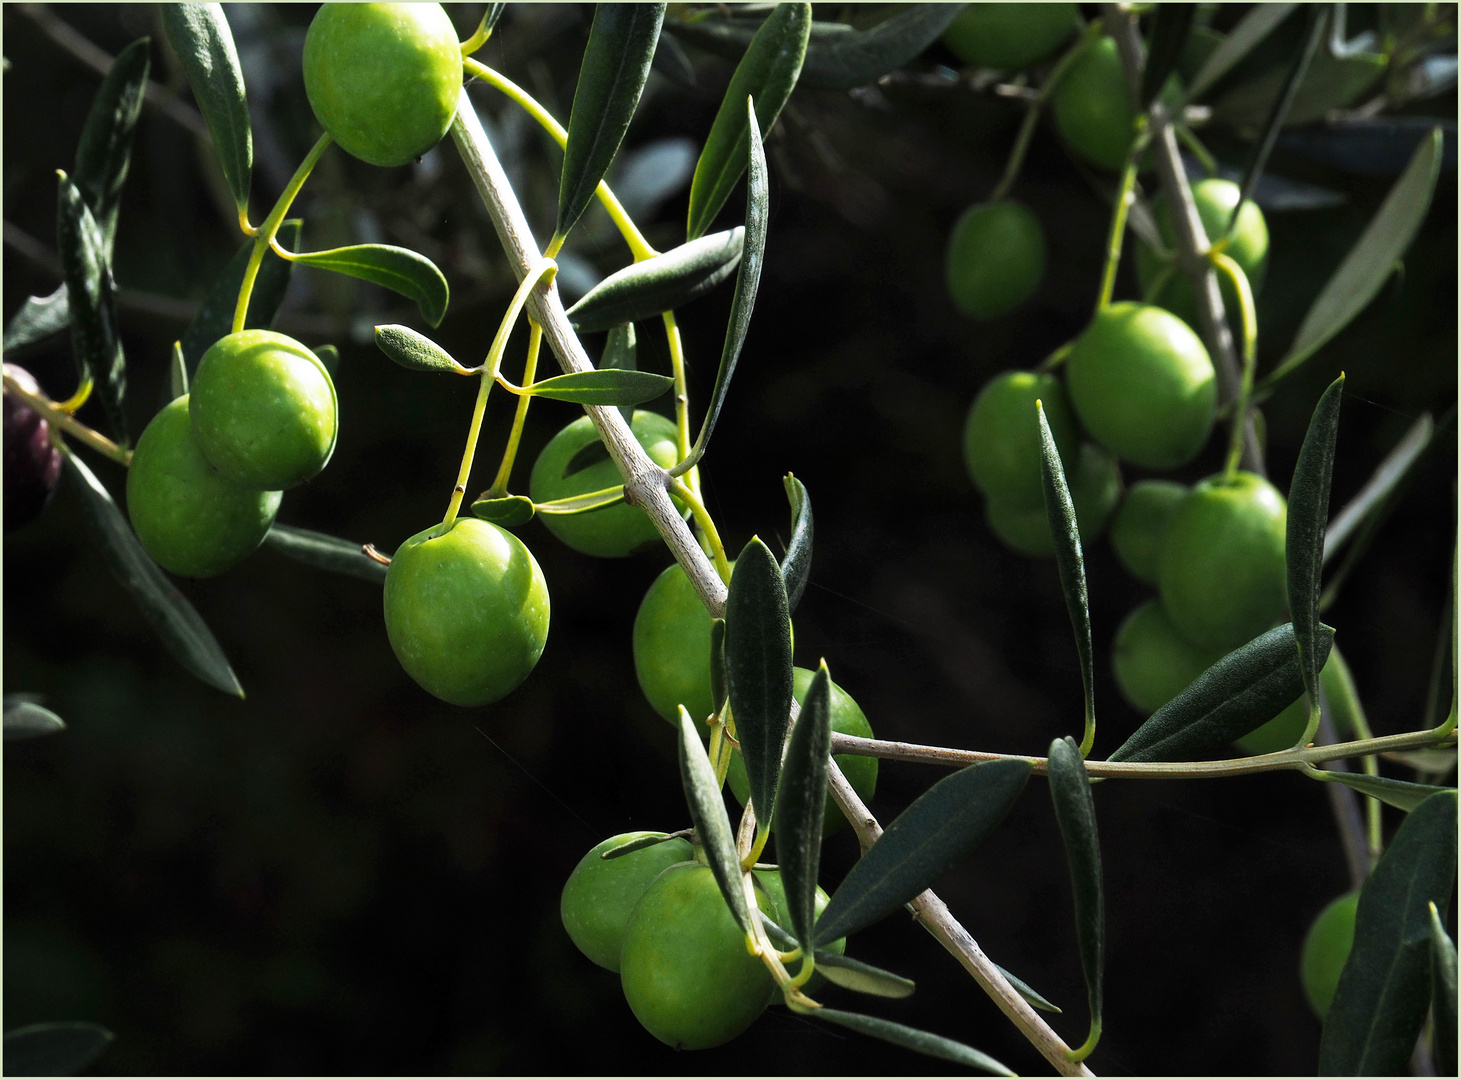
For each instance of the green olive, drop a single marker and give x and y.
(672, 647)
(1095, 489)
(1009, 36)
(600, 893)
(193, 520)
(1153, 663)
(1002, 437)
(1092, 106)
(264, 410)
(995, 258)
(466, 611)
(1221, 573)
(1143, 385)
(383, 79)
(1138, 524)
(1326, 948)
(685, 969)
(1247, 246)
(613, 530)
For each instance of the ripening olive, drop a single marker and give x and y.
(32, 464)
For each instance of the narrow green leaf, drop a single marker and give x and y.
(38, 318)
(1075, 813)
(796, 565)
(1371, 261)
(1070, 563)
(748, 280)
(399, 269)
(1243, 690)
(579, 504)
(91, 295)
(1256, 25)
(766, 73)
(200, 37)
(671, 62)
(26, 718)
(1304, 541)
(842, 61)
(215, 318)
(415, 351)
(730, 35)
(660, 283)
(1400, 794)
(1384, 990)
(909, 1038)
(105, 149)
(941, 825)
(1332, 82)
(509, 511)
(712, 824)
(325, 552)
(1171, 26)
(1443, 994)
(177, 373)
(1378, 488)
(639, 843)
(184, 633)
(1029, 993)
(718, 691)
(852, 974)
(801, 796)
(758, 669)
(620, 355)
(615, 67)
(603, 387)
(61, 1049)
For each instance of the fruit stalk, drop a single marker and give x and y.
(519, 419)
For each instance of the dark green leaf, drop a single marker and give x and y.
(91, 294)
(619, 355)
(1384, 990)
(105, 149)
(415, 351)
(399, 269)
(61, 1049)
(578, 504)
(1378, 488)
(1075, 813)
(758, 669)
(801, 796)
(177, 373)
(796, 566)
(176, 622)
(586, 458)
(748, 280)
(1060, 509)
(509, 511)
(1033, 996)
(943, 823)
(25, 718)
(215, 318)
(1371, 261)
(766, 73)
(718, 690)
(1252, 28)
(1304, 540)
(1397, 793)
(606, 386)
(38, 318)
(1170, 27)
(658, 284)
(1443, 995)
(712, 825)
(200, 37)
(1332, 82)
(841, 61)
(615, 67)
(325, 552)
(1242, 691)
(852, 974)
(671, 62)
(912, 1039)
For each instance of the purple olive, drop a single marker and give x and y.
(32, 464)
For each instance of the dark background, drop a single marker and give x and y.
(341, 874)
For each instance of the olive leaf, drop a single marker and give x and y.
(851, 58)
(766, 73)
(59, 1049)
(1401, 794)
(38, 318)
(325, 552)
(177, 373)
(26, 718)
(800, 797)
(91, 296)
(1331, 82)
(1384, 990)
(796, 564)
(712, 825)
(415, 351)
(621, 44)
(1025, 990)
(718, 692)
(579, 504)
(639, 843)
(910, 1038)
(105, 149)
(509, 511)
(184, 633)
(1443, 994)
(1308, 508)
(1075, 813)
(1243, 690)
(200, 37)
(611, 386)
(1069, 562)
(941, 825)
(620, 355)
(852, 974)
(1252, 28)
(399, 269)
(215, 318)
(1171, 26)
(660, 283)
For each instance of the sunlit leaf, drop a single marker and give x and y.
(38, 318)
(712, 824)
(579, 504)
(1029, 993)
(26, 718)
(325, 552)
(399, 269)
(1400, 794)
(605, 386)
(852, 974)
(660, 283)
(509, 511)
(415, 351)
(200, 37)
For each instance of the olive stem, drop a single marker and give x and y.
(479, 36)
(1118, 223)
(519, 419)
(1200, 152)
(1239, 281)
(58, 418)
(265, 233)
(706, 524)
(83, 394)
(632, 236)
(682, 395)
